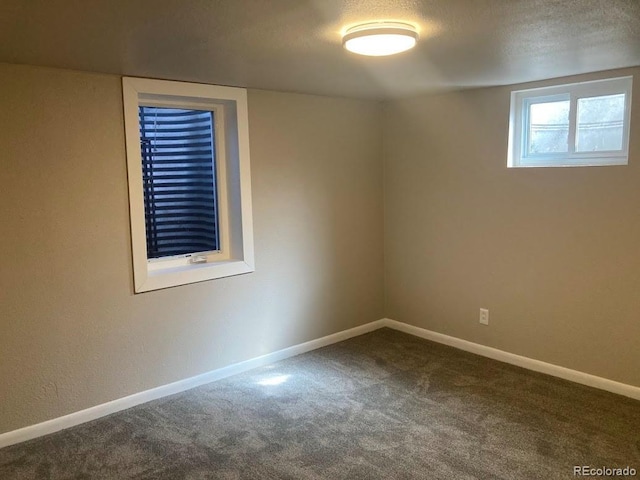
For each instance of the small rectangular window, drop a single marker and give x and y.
(189, 182)
(580, 124)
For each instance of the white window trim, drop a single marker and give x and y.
(520, 101)
(233, 187)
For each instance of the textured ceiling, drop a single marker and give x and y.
(295, 45)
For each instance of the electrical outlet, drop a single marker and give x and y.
(484, 316)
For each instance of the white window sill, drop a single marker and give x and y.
(171, 277)
(575, 162)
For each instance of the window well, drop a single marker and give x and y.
(178, 174)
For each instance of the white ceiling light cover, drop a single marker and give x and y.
(378, 39)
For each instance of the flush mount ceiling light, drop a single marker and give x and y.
(378, 39)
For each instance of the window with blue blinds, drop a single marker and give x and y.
(179, 181)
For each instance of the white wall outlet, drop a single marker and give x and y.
(484, 316)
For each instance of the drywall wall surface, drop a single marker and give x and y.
(553, 253)
(73, 334)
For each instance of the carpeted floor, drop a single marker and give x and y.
(384, 405)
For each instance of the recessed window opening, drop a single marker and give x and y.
(189, 182)
(581, 124)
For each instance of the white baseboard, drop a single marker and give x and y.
(520, 361)
(93, 413)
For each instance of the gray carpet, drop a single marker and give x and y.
(384, 405)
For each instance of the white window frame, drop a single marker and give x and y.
(233, 186)
(519, 122)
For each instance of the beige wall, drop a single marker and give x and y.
(73, 335)
(553, 253)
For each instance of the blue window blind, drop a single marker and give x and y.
(179, 181)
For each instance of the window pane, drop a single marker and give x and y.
(178, 168)
(549, 127)
(600, 123)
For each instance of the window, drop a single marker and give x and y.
(580, 124)
(178, 180)
(189, 182)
